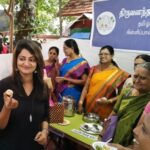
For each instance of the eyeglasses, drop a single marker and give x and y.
(137, 64)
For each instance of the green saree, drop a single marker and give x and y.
(129, 109)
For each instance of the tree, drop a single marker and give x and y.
(47, 16)
(9, 12)
(60, 18)
(37, 16)
(25, 19)
(3, 2)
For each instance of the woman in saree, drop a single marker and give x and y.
(52, 69)
(104, 81)
(131, 104)
(139, 59)
(141, 136)
(73, 72)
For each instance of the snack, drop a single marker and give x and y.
(91, 128)
(9, 93)
(102, 147)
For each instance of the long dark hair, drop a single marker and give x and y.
(55, 48)
(111, 51)
(34, 49)
(71, 43)
(145, 57)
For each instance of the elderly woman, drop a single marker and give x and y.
(131, 103)
(104, 80)
(139, 59)
(141, 135)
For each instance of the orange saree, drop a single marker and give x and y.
(104, 84)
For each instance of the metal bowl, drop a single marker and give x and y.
(91, 118)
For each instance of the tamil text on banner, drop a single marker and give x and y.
(124, 24)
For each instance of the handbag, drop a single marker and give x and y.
(56, 113)
(109, 128)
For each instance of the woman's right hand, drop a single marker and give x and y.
(41, 137)
(102, 100)
(80, 107)
(9, 101)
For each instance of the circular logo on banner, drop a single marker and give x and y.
(105, 23)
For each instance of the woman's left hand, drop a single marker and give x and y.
(41, 137)
(48, 80)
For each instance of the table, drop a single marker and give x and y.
(73, 132)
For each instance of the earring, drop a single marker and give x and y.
(35, 71)
(16, 69)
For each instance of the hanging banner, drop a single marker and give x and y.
(123, 24)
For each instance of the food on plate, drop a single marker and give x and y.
(102, 147)
(91, 128)
(86, 127)
(96, 127)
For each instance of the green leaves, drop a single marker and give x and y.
(44, 18)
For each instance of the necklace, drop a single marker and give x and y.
(31, 111)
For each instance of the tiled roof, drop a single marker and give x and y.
(77, 7)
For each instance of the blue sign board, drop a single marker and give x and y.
(123, 24)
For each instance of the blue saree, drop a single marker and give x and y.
(74, 69)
